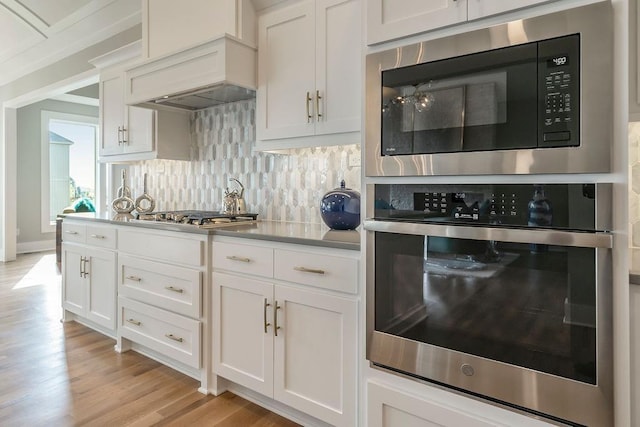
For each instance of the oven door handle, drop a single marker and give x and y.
(514, 235)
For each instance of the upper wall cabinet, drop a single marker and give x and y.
(309, 75)
(129, 133)
(170, 26)
(389, 19)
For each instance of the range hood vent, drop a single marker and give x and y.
(216, 72)
(206, 97)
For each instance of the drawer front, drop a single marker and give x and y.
(241, 258)
(177, 289)
(103, 237)
(170, 247)
(316, 269)
(172, 335)
(73, 232)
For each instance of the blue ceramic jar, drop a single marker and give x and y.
(340, 208)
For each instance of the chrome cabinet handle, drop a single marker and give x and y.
(119, 137)
(84, 269)
(124, 132)
(266, 304)
(134, 278)
(134, 322)
(309, 270)
(171, 288)
(308, 101)
(318, 98)
(238, 258)
(81, 265)
(173, 337)
(71, 232)
(276, 307)
(98, 236)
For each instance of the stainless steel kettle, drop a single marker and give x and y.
(240, 204)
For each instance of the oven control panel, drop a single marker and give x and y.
(469, 206)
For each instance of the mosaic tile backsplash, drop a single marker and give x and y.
(284, 187)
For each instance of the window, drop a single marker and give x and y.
(68, 161)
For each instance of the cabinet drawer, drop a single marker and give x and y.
(173, 335)
(103, 237)
(240, 258)
(170, 247)
(166, 286)
(73, 232)
(314, 269)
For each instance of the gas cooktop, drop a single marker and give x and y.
(202, 219)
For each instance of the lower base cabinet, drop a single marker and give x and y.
(296, 344)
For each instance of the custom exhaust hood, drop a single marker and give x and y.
(215, 72)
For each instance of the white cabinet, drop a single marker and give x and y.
(482, 8)
(309, 79)
(172, 26)
(395, 403)
(130, 133)
(89, 275)
(290, 341)
(160, 277)
(389, 19)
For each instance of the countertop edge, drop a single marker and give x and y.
(265, 232)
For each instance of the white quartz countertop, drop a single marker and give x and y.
(279, 231)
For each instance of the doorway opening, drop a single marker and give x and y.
(69, 165)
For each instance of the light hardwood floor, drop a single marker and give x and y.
(54, 374)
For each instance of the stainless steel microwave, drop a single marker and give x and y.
(531, 96)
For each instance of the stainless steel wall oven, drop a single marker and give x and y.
(500, 290)
(526, 97)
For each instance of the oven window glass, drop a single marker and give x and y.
(527, 305)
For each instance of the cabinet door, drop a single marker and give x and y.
(286, 73)
(73, 283)
(315, 354)
(481, 8)
(392, 19)
(101, 285)
(338, 66)
(111, 113)
(389, 407)
(243, 331)
(139, 132)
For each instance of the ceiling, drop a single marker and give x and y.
(37, 33)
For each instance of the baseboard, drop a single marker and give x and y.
(39, 246)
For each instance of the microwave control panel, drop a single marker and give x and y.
(558, 91)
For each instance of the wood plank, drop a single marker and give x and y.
(65, 374)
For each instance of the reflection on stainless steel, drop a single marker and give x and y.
(551, 237)
(596, 99)
(519, 386)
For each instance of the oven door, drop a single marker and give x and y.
(518, 315)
